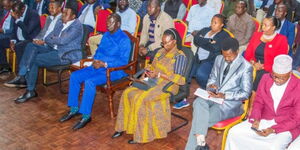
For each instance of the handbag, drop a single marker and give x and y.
(145, 84)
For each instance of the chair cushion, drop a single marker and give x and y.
(226, 122)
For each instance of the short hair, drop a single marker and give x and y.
(175, 36)
(57, 2)
(221, 17)
(276, 22)
(230, 44)
(73, 8)
(116, 16)
(244, 2)
(157, 2)
(18, 6)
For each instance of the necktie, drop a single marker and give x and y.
(226, 71)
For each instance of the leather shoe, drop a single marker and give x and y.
(5, 70)
(132, 142)
(26, 96)
(117, 134)
(17, 82)
(81, 123)
(68, 116)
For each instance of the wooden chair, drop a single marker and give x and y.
(257, 24)
(225, 125)
(181, 27)
(112, 86)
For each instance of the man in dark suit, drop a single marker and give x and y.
(41, 6)
(27, 26)
(287, 28)
(6, 32)
(271, 10)
(60, 43)
(86, 15)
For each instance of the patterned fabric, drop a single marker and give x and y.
(146, 114)
(151, 31)
(135, 4)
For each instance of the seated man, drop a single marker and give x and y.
(287, 28)
(231, 79)
(27, 26)
(113, 51)
(66, 36)
(86, 14)
(41, 6)
(154, 24)
(6, 33)
(128, 17)
(272, 9)
(39, 40)
(295, 145)
(198, 20)
(241, 25)
(274, 119)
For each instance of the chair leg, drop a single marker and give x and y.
(110, 95)
(7, 55)
(14, 62)
(45, 83)
(60, 82)
(185, 122)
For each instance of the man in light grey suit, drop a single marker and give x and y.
(64, 39)
(230, 79)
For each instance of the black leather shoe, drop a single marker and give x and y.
(5, 70)
(81, 123)
(26, 96)
(132, 142)
(117, 134)
(205, 147)
(17, 82)
(68, 116)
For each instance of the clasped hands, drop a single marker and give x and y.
(257, 65)
(215, 94)
(264, 132)
(98, 64)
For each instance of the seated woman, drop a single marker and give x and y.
(175, 8)
(147, 114)
(264, 47)
(208, 40)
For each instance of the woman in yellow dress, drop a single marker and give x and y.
(147, 114)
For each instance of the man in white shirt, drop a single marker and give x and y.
(274, 119)
(86, 14)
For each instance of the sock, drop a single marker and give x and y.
(86, 116)
(74, 109)
(200, 140)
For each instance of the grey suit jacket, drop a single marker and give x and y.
(66, 41)
(236, 86)
(41, 35)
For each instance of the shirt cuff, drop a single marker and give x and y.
(105, 65)
(14, 41)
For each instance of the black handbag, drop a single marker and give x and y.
(143, 84)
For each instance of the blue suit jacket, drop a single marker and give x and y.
(70, 39)
(44, 7)
(288, 30)
(30, 26)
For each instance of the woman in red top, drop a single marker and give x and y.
(264, 47)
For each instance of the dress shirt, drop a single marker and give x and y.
(128, 18)
(52, 25)
(66, 25)
(6, 23)
(199, 17)
(19, 30)
(277, 92)
(39, 7)
(87, 16)
(282, 22)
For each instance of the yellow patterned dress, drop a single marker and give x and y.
(146, 114)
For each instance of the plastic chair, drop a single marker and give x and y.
(257, 24)
(222, 7)
(101, 19)
(43, 19)
(181, 27)
(79, 5)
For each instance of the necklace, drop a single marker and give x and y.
(269, 37)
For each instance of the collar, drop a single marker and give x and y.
(24, 14)
(54, 18)
(115, 33)
(152, 18)
(124, 9)
(68, 23)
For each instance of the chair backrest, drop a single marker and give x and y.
(43, 19)
(184, 90)
(186, 2)
(84, 40)
(133, 57)
(181, 28)
(138, 22)
(79, 5)
(101, 19)
(230, 34)
(185, 16)
(257, 24)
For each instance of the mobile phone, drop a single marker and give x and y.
(256, 130)
(213, 90)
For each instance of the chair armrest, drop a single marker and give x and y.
(82, 61)
(63, 57)
(165, 90)
(109, 70)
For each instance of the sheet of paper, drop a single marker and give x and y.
(204, 94)
(89, 63)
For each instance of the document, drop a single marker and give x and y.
(204, 94)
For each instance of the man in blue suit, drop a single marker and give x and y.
(113, 51)
(27, 26)
(287, 28)
(66, 37)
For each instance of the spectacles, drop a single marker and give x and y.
(162, 44)
(280, 78)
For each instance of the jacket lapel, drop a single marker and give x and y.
(232, 69)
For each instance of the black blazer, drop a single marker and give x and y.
(214, 49)
(30, 26)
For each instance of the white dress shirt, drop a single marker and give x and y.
(19, 30)
(277, 92)
(52, 25)
(66, 25)
(87, 16)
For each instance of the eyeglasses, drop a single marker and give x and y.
(162, 44)
(279, 78)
